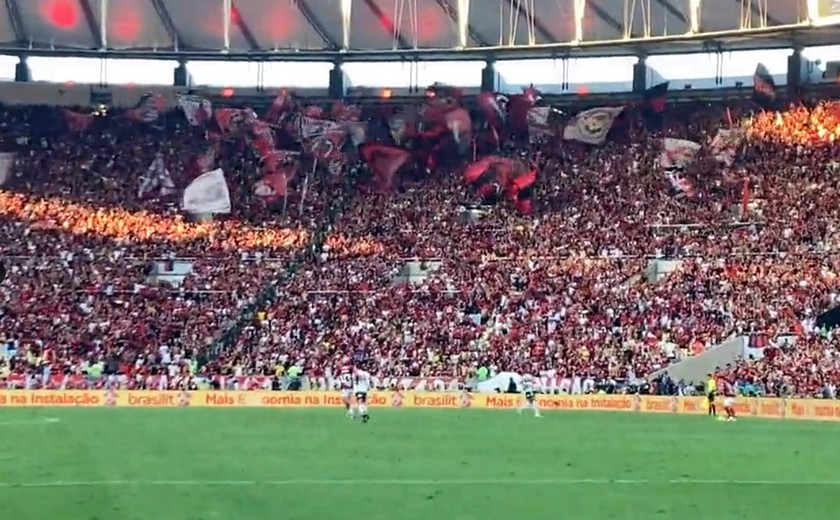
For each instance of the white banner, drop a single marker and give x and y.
(677, 153)
(208, 193)
(592, 126)
(7, 161)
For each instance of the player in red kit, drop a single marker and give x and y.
(729, 400)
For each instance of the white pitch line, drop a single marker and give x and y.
(338, 482)
(40, 420)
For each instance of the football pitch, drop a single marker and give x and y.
(410, 464)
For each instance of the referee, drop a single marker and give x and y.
(711, 390)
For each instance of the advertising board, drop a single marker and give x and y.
(813, 409)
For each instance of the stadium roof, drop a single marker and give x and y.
(394, 29)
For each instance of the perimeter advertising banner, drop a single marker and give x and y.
(813, 409)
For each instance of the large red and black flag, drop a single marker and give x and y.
(521, 191)
(764, 87)
(654, 104)
(384, 161)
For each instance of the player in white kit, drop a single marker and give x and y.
(361, 387)
(345, 383)
(530, 400)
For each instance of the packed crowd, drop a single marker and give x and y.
(565, 292)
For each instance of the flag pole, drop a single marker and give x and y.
(306, 186)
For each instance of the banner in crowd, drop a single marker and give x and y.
(771, 408)
(7, 161)
(208, 193)
(726, 143)
(677, 153)
(592, 126)
(197, 109)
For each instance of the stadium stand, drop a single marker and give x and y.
(634, 260)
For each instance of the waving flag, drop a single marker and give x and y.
(726, 143)
(148, 109)
(538, 123)
(518, 106)
(277, 159)
(521, 191)
(677, 153)
(157, 177)
(272, 187)
(234, 120)
(263, 138)
(278, 109)
(459, 123)
(384, 161)
(655, 103)
(208, 193)
(197, 109)
(489, 104)
(327, 146)
(764, 87)
(345, 113)
(77, 122)
(592, 126)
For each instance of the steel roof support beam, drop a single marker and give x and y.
(346, 19)
(580, 14)
(750, 9)
(243, 27)
(607, 17)
(380, 18)
(312, 19)
(17, 22)
(673, 11)
(544, 32)
(695, 10)
(168, 24)
(457, 18)
(90, 19)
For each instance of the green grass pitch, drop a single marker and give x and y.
(410, 464)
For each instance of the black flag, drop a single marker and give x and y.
(764, 87)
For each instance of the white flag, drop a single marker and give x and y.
(157, 177)
(208, 193)
(677, 153)
(592, 126)
(7, 160)
(197, 109)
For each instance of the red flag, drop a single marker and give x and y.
(326, 146)
(263, 140)
(76, 121)
(345, 113)
(477, 169)
(278, 108)
(384, 161)
(232, 120)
